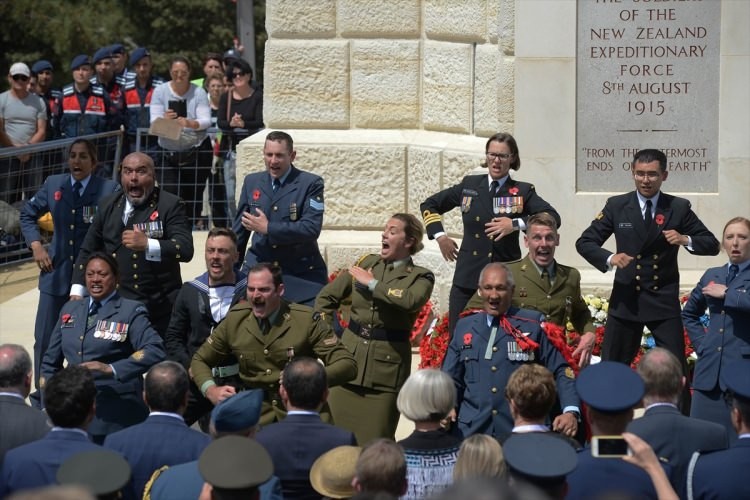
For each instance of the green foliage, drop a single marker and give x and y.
(59, 30)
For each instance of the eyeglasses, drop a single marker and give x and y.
(237, 75)
(650, 175)
(20, 78)
(499, 156)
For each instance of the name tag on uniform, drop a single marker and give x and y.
(625, 225)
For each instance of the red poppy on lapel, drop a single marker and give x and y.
(66, 318)
(467, 339)
(256, 194)
(659, 219)
(154, 215)
(58, 195)
(513, 190)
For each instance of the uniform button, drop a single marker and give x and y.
(547, 317)
(523, 304)
(135, 276)
(274, 246)
(656, 278)
(268, 371)
(365, 342)
(275, 208)
(388, 356)
(372, 308)
(718, 349)
(71, 257)
(276, 263)
(549, 297)
(477, 219)
(135, 256)
(135, 266)
(311, 267)
(721, 330)
(177, 247)
(656, 287)
(494, 368)
(476, 235)
(722, 312)
(70, 242)
(80, 338)
(637, 288)
(638, 278)
(177, 256)
(72, 226)
(494, 349)
(494, 412)
(494, 389)
(275, 403)
(656, 266)
(638, 266)
(79, 352)
(474, 252)
(638, 256)
(265, 351)
(135, 286)
(656, 256)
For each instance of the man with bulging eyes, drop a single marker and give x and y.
(147, 230)
(649, 226)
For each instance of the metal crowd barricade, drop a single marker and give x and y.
(21, 181)
(195, 175)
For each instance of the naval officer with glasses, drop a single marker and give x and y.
(494, 207)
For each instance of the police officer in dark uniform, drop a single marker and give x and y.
(84, 108)
(139, 87)
(280, 215)
(493, 208)
(264, 334)
(148, 232)
(387, 292)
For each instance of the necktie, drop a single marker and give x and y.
(265, 325)
(276, 184)
(493, 187)
(545, 277)
(77, 189)
(647, 215)
(93, 310)
(733, 270)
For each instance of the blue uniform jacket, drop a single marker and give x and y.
(129, 343)
(160, 440)
(35, 464)
(72, 219)
(480, 383)
(722, 474)
(727, 339)
(596, 477)
(295, 219)
(185, 481)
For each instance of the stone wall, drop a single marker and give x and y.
(392, 100)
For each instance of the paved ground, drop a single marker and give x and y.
(19, 296)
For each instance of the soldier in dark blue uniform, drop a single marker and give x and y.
(280, 214)
(722, 474)
(72, 201)
(488, 347)
(112, 337)
(493, 208)
(611, 391)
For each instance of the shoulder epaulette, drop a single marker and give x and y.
(97, 90)
(68, 89)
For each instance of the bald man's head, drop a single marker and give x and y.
(137, 176)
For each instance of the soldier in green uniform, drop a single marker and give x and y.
(387, 292)
(545, 285)
(264, 334)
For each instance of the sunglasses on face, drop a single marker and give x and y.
(237, 75)
(20, 78)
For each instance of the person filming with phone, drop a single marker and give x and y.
(616, 463)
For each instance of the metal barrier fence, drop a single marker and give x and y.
(23, 171)
(203, 176)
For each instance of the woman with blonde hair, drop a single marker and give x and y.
(480, 456)
(427, 398)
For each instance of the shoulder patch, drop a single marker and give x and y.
(569, 373)
(599, 216)
(138, 355)
(332, 340)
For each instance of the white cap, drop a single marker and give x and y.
(20, 68)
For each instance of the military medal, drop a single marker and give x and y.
(88, 213)
(522, 292)
(289, 354)
(497, 205)
(293, 212)
(465, 204)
